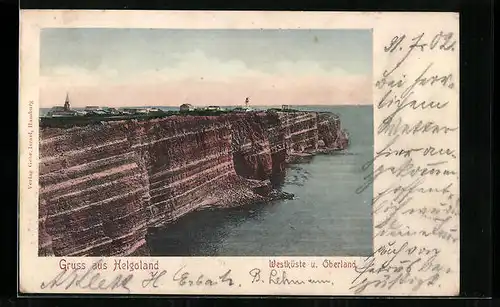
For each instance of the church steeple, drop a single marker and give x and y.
(66, 103)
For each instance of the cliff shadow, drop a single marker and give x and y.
(201, 232)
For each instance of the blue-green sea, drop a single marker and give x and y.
(326, 218)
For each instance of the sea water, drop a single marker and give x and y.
(326, 217)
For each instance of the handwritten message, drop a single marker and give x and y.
(415, 167)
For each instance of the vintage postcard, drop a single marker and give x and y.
(239, 153)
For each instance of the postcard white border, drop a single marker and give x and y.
(34, 269)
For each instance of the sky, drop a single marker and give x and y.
(169, 67)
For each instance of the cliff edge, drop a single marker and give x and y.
(103, 185)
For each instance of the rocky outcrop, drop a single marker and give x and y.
(102, 186)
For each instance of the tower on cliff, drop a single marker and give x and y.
(67, 105)
(247, 101)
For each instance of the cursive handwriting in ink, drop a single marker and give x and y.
(89, 279)
(154, 279)
(255, 273)
(186, 278)
(399, 266)
(443, 41)
(416, 44)
(226, 278)
(395, 43)
(408, 169)
(280, 277)
(391, 126)
(389, 151)
(404, 99)
(416, 170)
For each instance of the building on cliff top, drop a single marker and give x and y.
(139, 110)
(59, 111)
(92, 108)
(242, 109)
(186, 107)
(112, 111)
(213, 108)
(246, 108)
(132, 111)
(67, 105)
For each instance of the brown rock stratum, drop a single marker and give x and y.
(103, 185)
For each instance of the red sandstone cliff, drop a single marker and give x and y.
(102, 186)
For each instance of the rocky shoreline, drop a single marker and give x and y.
(103, 186)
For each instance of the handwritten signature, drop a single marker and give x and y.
(186, 278)
(89, 279)
(280, 277)
(95, 280)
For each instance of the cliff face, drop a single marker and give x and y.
(102, 186)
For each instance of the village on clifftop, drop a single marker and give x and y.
(67, 111)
